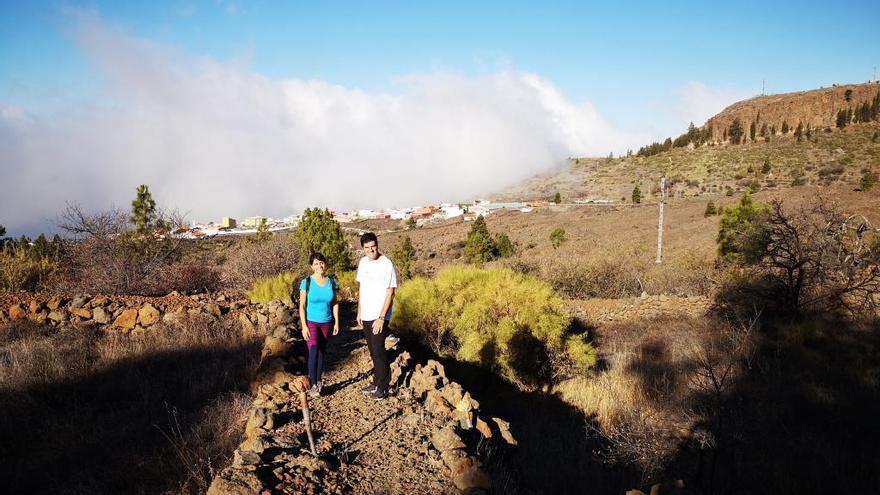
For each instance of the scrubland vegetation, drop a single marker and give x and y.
(82, 412)
(788, 344)
(509, 323)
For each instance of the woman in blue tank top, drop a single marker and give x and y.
(318, 312)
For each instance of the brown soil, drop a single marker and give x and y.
(382, 447)
(607, 230)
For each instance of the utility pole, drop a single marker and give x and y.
(763, 82)
(660, 222)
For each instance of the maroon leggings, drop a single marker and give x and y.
(319, 334)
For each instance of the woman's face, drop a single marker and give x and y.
(318, 267)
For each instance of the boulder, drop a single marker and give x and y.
(466, 474)
(58, 315)
(483, 428)
(148, 315)
(82, 312)
(446, 439)
(55, 302)
(99, 302)
(39, 316)
(236, 482)
(79, 301)
(274, 347)
(246, 324)
(176, 316)
(35, 306)
(504, 429)
(281, 316)
(213, 310)
(17, 312)
(126, 320)
(100, 315)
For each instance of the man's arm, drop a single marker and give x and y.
(379, 324)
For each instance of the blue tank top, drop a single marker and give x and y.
(320, 298)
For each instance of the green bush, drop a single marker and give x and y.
(510, 323)
(277, 288)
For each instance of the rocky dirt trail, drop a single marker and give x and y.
(385, 445)
(423, 439)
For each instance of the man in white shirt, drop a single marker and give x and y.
(378, 279)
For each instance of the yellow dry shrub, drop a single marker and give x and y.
(505, 321)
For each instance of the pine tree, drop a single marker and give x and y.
(785, 127)
(404, 255)
(765, 169)
(557, 198)
(752, 130)
(319, 232)
(2, 231)
(799, 132)
(710, 209)
(504, 247)
(479, 247)
(763, 129)
(143, 210)
(263, 232)
(411, 223)
(841, 119)
(636, 195)
(557, 237)
(847, 95)
(809, 132)
(736, 131)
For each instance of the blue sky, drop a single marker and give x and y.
(622, 56)
(98, 97)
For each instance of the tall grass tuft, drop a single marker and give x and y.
(277, 288)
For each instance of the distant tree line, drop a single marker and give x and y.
(866, 112)
(695, 135)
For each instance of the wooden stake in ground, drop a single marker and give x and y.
(660, 222)
(304, 405)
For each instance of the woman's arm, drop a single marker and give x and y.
(335, 317)
(302, 314)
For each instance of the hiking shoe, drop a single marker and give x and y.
(379, 395)
(369, 389)
(314, 391)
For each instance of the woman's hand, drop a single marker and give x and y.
(336, 328)
(305, 330)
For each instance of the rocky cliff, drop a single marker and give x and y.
(817, 108)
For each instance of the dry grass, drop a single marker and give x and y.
(658, 376)
(82, 412)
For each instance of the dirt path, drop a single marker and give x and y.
(382, 447)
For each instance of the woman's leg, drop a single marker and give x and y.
(323, 336)
(314, 352)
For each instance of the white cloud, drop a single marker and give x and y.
(216, 139)
(699, 101)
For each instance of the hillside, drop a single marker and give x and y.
(825, 155)
(817, 108)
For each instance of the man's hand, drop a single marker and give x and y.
(360, 321)
(378, 324)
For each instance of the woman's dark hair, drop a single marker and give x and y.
(369, 236)
(316, 256)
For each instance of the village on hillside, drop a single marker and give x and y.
(420, 214)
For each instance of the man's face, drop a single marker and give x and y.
(371, 249)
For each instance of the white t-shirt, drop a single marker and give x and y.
(375, 278)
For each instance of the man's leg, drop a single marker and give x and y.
(368, 333)
(381, 368)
